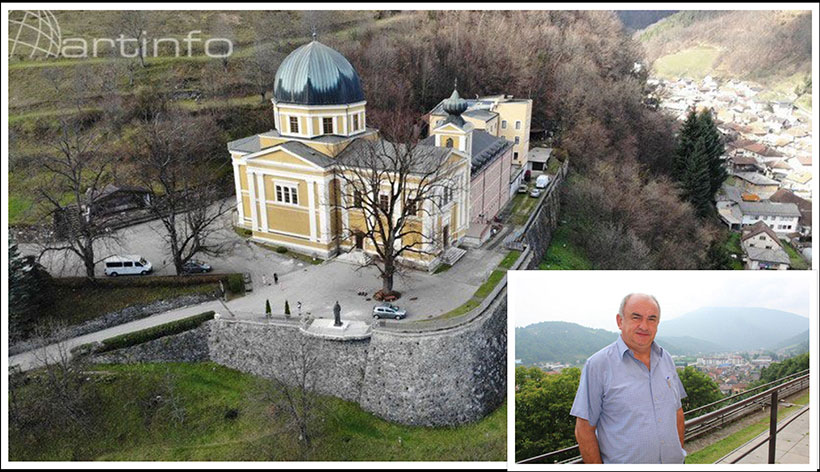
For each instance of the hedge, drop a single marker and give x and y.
(233, 282)
(154, 332)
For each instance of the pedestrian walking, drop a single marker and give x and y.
(264, 280)
(276, 278)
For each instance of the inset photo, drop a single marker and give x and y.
(694, 367)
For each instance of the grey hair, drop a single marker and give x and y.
(626, 299)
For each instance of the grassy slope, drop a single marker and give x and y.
(259, 433)
(770, 48)
(563, 254)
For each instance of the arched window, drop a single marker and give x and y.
(449, 142)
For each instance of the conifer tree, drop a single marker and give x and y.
(698, 167)
(30, 291)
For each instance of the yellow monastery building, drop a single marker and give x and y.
(289, 191)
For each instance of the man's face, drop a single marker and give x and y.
(639, 323)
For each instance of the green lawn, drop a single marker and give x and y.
(76, 305)
(128, 426)
(694, 63)
(523, 205)
(563, 254)
(733, 246)
(797, 262)
(509, 259)
(715, 451)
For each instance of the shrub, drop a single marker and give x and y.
(235, 283)
(287, 308)
(155, 332)
(281, 249)
(267, 308)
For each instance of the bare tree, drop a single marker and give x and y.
(292, 388)
(175, 162)
(223, 29)
(76, 171)
(260, 68)
(133, 25)
(393, 188)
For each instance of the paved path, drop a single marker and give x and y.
(791, 446)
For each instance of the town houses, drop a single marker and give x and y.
(768, 158)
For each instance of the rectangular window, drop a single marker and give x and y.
(287, 194)
(294, 124)
(357, 199)
(503, 124)
(515, 156)
(517, 140)
(447, 196)
(517, 125)
(327, 125)
(412, 208)
(384, 203)
(355, 122)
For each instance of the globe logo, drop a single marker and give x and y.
(34, 34)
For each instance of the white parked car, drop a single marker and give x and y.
(127, 265)
(542, 181)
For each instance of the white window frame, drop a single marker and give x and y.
(285, 192)
(517, 124)
(503, 124)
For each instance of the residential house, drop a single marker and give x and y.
(804, 206)
(763, 248)
(759, 184)
(782, 218)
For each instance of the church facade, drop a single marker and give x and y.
(289, 191)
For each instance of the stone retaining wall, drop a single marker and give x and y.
(190, 346)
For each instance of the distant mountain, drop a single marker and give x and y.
(687, 345)
(768, 47)
(735, 328)
(640, 19)
(558, 341)
(794, 345)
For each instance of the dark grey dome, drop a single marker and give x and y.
(315, 74)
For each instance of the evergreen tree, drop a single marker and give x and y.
(31, 291)
(287, 308)
(267, 308)
(713, 143)
(698, 166)
(695, 180)
(687, 136)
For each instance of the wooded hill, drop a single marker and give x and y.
(762, 46)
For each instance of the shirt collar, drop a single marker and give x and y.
(623, 348)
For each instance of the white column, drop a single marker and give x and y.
(324, 209)
(311, 210)
(263, 200)
(238, 185)
(343, 193)
(310, 125)
(252, 194)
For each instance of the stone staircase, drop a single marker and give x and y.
(452, 255)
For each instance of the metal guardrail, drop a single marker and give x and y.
(717, 419)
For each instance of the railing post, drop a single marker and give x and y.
(773, 427)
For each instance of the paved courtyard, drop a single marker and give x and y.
(317, 287)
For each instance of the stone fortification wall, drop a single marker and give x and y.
(449, 377)
(190, 346)
(278, 350)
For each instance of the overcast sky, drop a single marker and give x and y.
(592, 298)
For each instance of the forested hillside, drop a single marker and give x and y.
(761, 45)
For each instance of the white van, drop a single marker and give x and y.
(542, 181)
(127, 265)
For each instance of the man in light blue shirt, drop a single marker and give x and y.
(628, 404)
